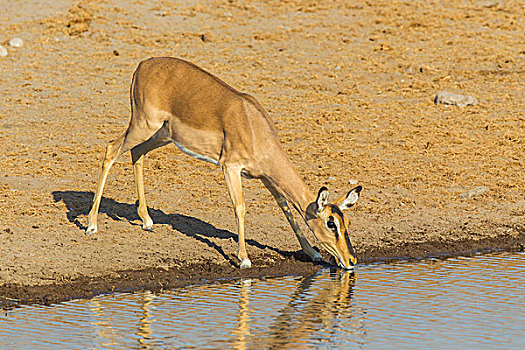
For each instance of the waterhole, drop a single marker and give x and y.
(459, 303)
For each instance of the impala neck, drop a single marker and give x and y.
(287, 182)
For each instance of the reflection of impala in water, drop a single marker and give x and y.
(106, 327)
(144, 330)
(102, 323)
(242, 331)
(314, 305)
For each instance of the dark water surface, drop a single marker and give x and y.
(460, 303)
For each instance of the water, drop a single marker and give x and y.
(461, 303)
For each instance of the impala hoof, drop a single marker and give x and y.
(316, 257)
(91, 229)
(246, 264)
(147, 225)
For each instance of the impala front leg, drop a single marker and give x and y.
(232, 176)
(283, 204)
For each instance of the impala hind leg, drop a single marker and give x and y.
(283, 204)
(137, 157)
(232, 176)
(113, 151)
(135, 135)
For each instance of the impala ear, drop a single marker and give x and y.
(322, 198)
(350, 199)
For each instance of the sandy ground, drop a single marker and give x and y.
(350, 89)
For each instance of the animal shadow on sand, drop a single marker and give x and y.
(79, 203)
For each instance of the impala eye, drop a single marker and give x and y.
(331, 224)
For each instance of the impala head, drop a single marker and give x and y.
(330, 225)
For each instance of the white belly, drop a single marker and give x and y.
(196, 155)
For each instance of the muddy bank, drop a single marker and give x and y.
(159, 279)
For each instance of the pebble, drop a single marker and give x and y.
(489, 4)
(208, 37)
(475, 192)
(448, 98)
(3, 51)
(4, 276)
(16, 42)
(352, 182)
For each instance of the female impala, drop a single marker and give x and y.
(175, 101)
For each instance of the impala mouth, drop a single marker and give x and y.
(351, 267)
(341, 264)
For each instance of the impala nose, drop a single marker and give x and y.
(339, 262)
(349, 266)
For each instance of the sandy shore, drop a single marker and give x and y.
(351, 90)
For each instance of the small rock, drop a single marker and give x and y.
(208, 37)
(16, 42)
(4, 276)
(161, 13)
(489, 4)
(352, 182)
(449, 98)
(475, 192)
(3, 51)
(332, 178)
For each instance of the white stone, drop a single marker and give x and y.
(3, 51)
(16, 42)
(475, 192)
(448, 98)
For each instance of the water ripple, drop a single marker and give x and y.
(466, 302)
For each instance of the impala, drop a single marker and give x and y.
(173, 100)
